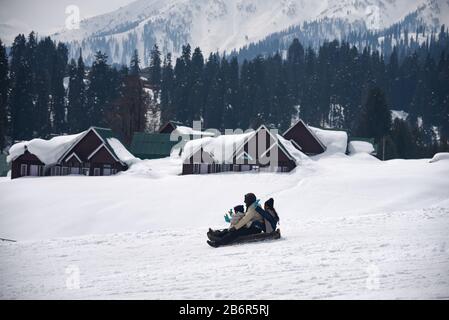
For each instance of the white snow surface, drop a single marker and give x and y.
(353, 227)
(360, 147)
(440, 156)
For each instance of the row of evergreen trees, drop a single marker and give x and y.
(42, 94)
(330, 87)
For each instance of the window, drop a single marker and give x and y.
(74, 170)
(34, 170)
(236, 168)
(85, 171)
(196, 168)
(107, 170)
(23, 170)
(204, 168)
(55, 171)
(245, 167)
(114, 171)
(96, 171)
(65, 171)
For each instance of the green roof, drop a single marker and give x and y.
(151, 145)
(4, 167)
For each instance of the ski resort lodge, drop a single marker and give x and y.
(94, 152)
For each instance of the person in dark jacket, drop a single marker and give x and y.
(248, 225)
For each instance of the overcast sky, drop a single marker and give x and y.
(48, 16)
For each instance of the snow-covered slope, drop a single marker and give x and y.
(219, 25)
(353, 227)
(152, 196)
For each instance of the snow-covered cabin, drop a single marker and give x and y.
(304, 139)
(258, 150)
(94, 152)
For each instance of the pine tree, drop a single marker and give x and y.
(58, 106)
(77, 111)
(155, 68)
(214, 106)
(196, 83)
(402, 136)
(128, 111)
(181, 90)
(46, 49)
(232, 97)
(4, 88)
(375, 120)
(99, 92)
(21, 101)
(167, 108)
(134, 68)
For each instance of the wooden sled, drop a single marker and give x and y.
(256, 238)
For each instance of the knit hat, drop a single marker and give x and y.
(239, 209)
(270, 203)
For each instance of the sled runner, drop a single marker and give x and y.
(253, 238)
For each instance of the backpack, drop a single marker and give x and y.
(270, 221)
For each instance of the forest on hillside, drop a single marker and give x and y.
(42, 93)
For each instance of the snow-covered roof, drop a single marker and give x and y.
(52, 151)
(291, 150)
(222, 148)
(335, 141)
(360, 147)
(48, 151)
(183, 130)
(121, 152)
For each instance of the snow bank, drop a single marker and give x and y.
(48, 151)
(335, 141)
(122, 153)
(440, 156)
(360, 147)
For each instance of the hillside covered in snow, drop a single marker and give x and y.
(219, 26)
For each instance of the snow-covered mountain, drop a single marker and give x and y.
(223, 25)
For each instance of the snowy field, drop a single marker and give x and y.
(353, 227)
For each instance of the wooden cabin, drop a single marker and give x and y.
(27, 164)
(89, 153)
(259, 150)
(170, 126)
(304, 139)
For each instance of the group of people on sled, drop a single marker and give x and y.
(244, 222)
